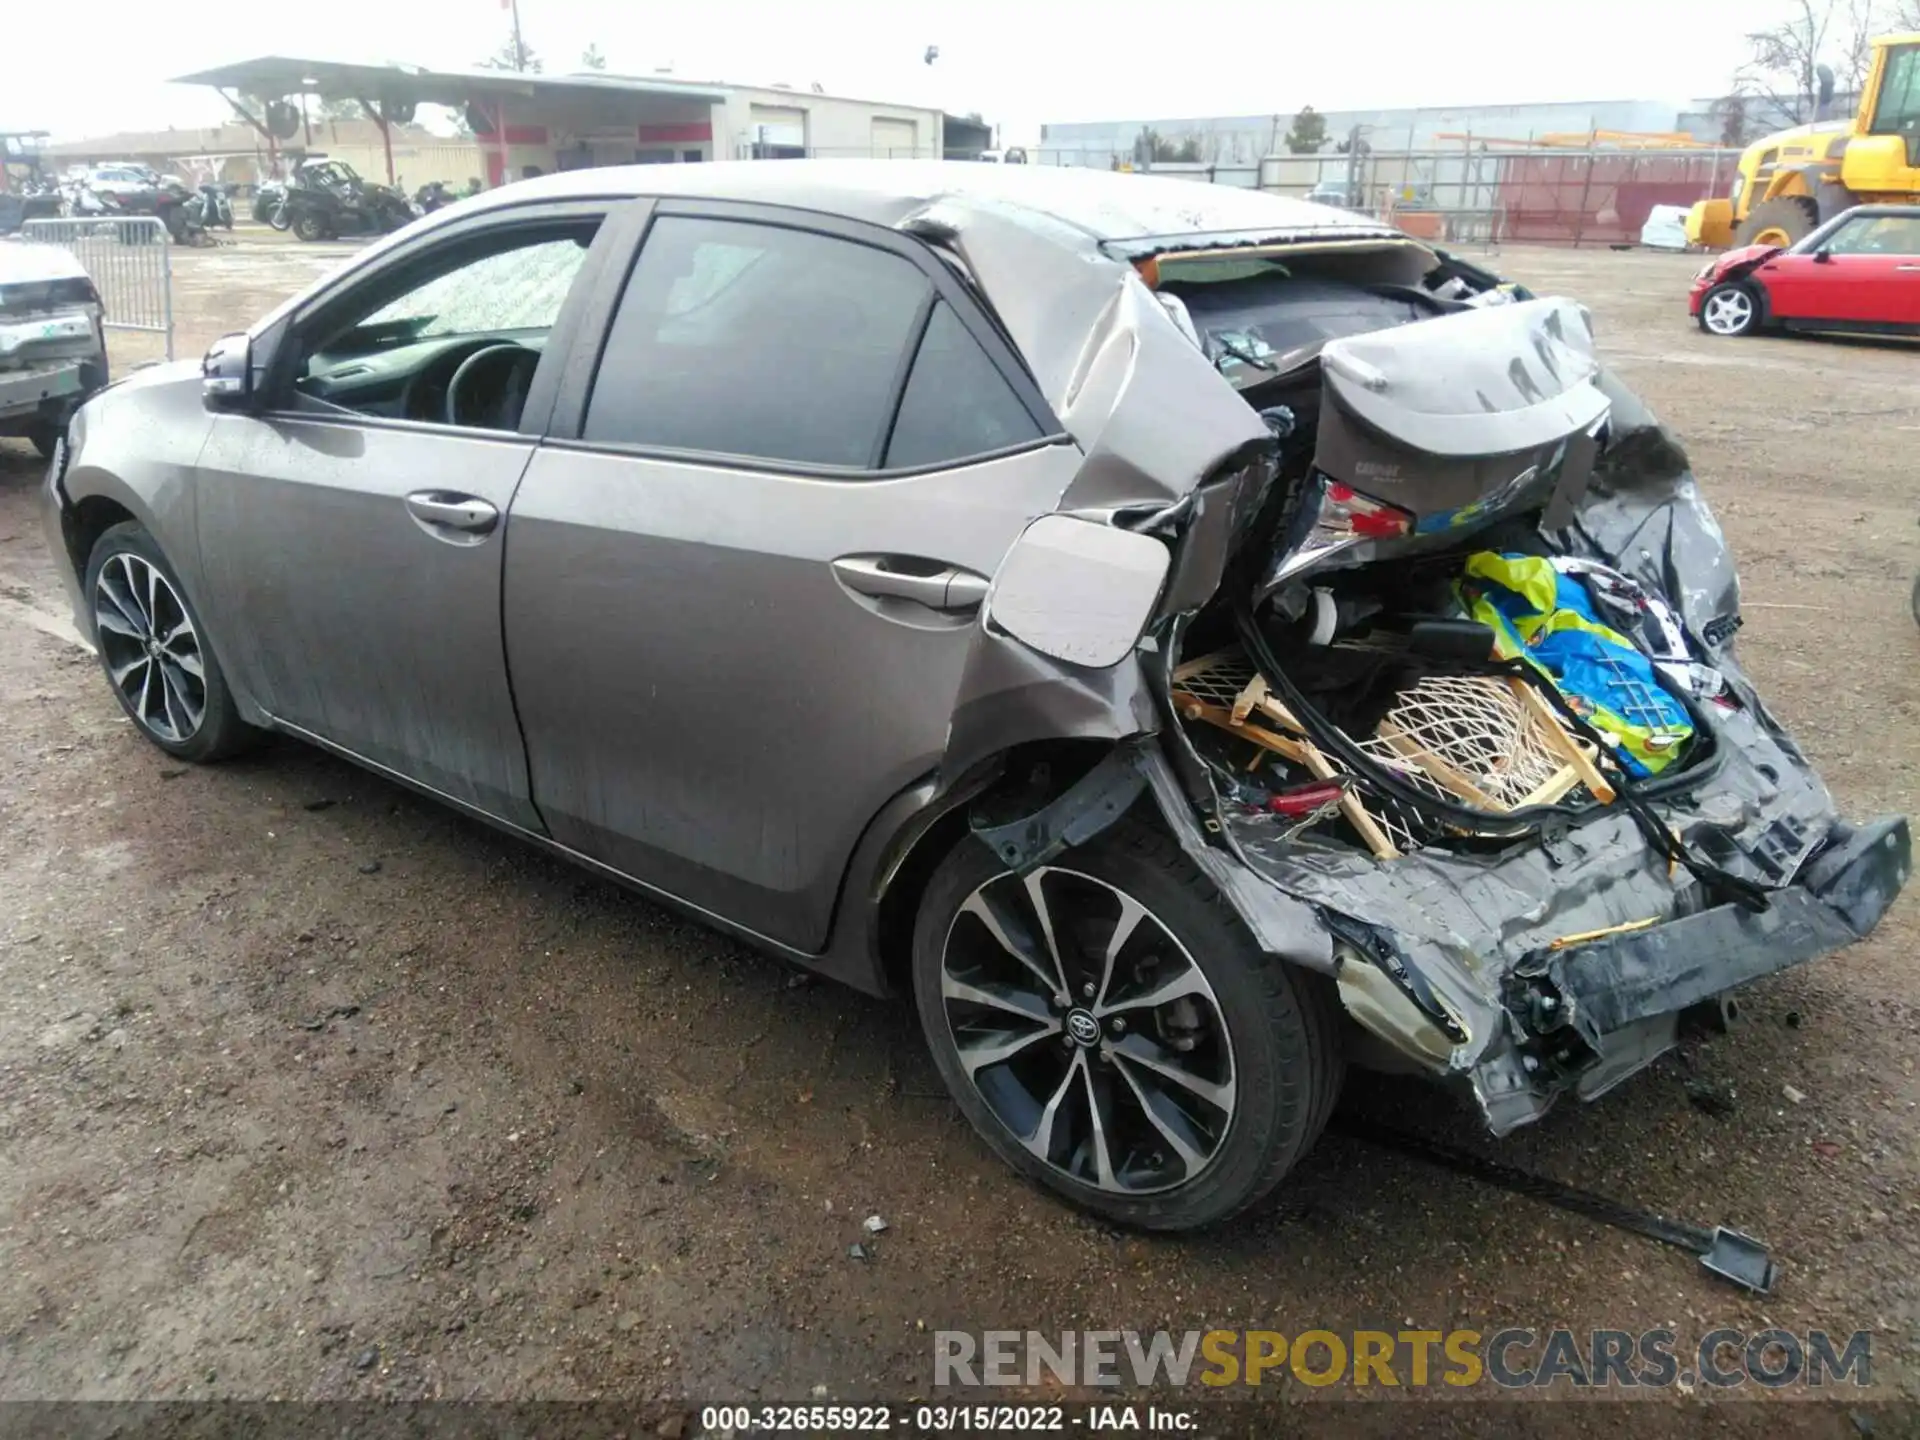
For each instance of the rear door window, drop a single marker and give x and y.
(956, 403)
(738, 338)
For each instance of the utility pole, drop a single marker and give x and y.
(519, 49)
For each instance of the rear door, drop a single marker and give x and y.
(746, 569)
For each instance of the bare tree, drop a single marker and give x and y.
(1731, 112)
(1865, 19)
(591, 58)
(1781, 79)
(1782, 69)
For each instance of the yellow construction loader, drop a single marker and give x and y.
(1789, 182)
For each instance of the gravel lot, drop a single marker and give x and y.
(310, 1089)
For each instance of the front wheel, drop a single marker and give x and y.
(154, 650)
(1729, 309)
(308, 226)
(1113, 1032)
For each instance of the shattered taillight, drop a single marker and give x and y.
(1342, 516)
(1363, 517)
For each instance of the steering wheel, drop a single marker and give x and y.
(516, 373)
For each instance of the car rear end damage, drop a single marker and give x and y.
(1421, 429)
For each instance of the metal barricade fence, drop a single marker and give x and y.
(130, 260)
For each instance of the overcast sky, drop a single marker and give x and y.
(1018, 62)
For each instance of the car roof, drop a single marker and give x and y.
(1101, 206)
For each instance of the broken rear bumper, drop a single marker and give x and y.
(1588, 1015)
(1475, 968)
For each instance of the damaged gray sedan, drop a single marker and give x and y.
(1188, 640)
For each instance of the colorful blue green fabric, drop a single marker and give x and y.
(1547, 619)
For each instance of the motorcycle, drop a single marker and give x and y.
(269, 203)
(212, 207)
(431, 197)
(179, 209)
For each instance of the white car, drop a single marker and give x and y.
(53, 352)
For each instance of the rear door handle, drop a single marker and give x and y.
(938, 587)
(452, 516)
(1907, 267)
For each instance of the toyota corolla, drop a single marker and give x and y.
(1187, 640)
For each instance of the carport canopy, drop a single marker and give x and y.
(500, 97)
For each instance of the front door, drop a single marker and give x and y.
(355, 524)
(1866, 272)
(739, 601)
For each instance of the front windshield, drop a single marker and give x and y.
(1898, 112)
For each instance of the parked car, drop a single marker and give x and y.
(1337, 193)
(879, 534)
(1858, 272)
(127, 182)
(53, 352)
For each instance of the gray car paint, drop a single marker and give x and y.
(359, 625)
(705, 705)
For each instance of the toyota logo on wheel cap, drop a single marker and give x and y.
(1082, 1027)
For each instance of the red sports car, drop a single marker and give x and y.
(1860, 271)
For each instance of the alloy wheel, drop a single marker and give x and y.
(1728, 312)
(1088, 1030)
(150, 647)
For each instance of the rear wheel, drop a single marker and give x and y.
(1779, 221)
(1729, 309)
(308, 226)
(154, 650)
(1113, 1032)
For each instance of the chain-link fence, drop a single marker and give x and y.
(1476, 192)
(130, 261)
(1473, 193)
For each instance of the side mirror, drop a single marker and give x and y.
(226, 374)
(1822, 256)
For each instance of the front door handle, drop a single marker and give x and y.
(906, 577)
(452, 516)
(1907, 267)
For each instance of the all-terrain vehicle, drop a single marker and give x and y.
(326, 199)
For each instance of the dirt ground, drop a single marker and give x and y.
(310, 1089)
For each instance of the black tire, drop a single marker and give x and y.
(1730, 308)
(309, 226)
(1282, 1022)
(219, 732)
(1915, 601)
(1793, 217)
